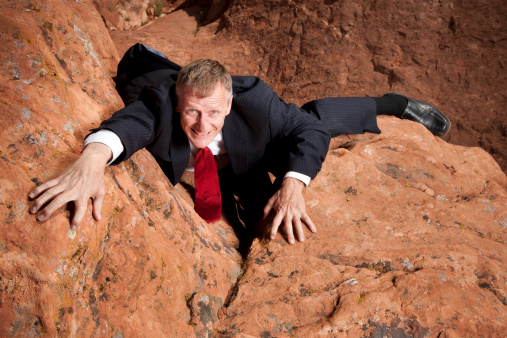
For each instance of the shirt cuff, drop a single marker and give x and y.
(303, 178)
(108, 138)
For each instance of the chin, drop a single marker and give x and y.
(201, 143)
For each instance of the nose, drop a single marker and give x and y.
(202, 122)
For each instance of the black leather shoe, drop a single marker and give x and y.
(427, 115)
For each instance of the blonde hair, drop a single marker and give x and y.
(201, 76)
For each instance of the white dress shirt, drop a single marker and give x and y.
(216, 146)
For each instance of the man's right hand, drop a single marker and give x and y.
(81, 180)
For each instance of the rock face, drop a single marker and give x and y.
(179, 36)
(411, 243)
(151, 266)
(128, 15)
(411, 229)
(449, 53)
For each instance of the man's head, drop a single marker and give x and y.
(204, 98)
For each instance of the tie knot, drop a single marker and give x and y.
(204, 154)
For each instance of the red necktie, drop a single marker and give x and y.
(208, 201)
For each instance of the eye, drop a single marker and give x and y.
(214, 112)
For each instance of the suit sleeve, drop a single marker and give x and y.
(305, 137)
(138, 124)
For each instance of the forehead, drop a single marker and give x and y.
(188, 96)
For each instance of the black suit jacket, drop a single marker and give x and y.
(262, 133)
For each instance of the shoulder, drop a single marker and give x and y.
(246, 84)
(251, 94)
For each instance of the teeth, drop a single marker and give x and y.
(203, 133)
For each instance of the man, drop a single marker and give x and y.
(240, 119)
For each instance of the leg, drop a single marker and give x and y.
(356, 115)
(345, 115)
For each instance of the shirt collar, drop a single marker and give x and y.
(216, 146)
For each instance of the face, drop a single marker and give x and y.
(203, 118)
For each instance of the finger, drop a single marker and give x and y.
(299, 228)
(79, 213)
(275, 224)
(97, 206)
(308, 222)
(268, 207)
(55, 204)
(288, 229)
(43, 187)
(46, 197)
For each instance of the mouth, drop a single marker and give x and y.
(204, 133)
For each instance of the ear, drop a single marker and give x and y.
(229, 105)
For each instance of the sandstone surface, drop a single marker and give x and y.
(179, 36)
(411, 243)
(151, 267)
(412, 229)
(126, 15)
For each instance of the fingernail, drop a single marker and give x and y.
(31, 195)
(41, 217)
(272, 236)
(33, 210)
(291, 241)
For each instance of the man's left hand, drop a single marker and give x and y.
(289, 205)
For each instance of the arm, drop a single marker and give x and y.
(308, 141)
(81, 180)
(133, 127)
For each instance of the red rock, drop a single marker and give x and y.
(214, 10)
(188, 41)
(126, 15)
(388, 259)
(449, 54)
(131, 273)
(129, 15)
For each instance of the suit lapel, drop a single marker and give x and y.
(234, 133)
